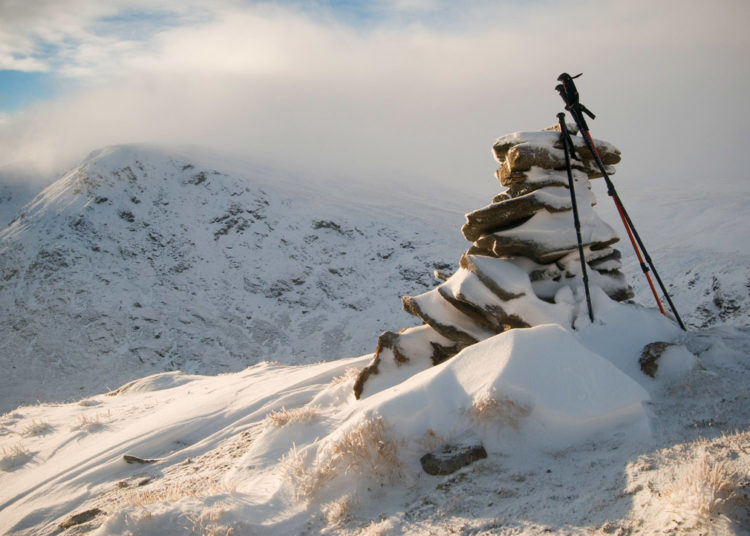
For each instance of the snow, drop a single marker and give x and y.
(509, 277)
(556, 232)
(569, 393)
(434, 306)
(579, 439)
(416, 341)
(547, 140)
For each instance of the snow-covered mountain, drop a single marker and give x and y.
(140, 261)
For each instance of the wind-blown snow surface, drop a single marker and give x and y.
(138, 261)
(579, 439)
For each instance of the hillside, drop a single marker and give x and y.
(138, 261)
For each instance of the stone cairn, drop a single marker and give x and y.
(523, 267)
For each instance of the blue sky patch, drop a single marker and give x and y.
(20, 89)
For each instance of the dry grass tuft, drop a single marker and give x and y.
(491, 408)
(13, 457)
(349, 375)
(377, 528)
(431, 440)
(738, 442)
(209, 523)
(339, 511)
(176, 491)
(699, 489)
(285, 416)
(36, 428)
(702, 484)
(365, 449)
(306, 481)
(368, 450)
(92, 422)
(694, 487)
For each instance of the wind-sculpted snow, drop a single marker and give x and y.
(137, 262)
(578, 441)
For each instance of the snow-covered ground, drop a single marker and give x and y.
(578, 439)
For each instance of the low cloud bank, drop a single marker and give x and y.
(404, 98)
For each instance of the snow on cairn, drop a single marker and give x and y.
(523, 267)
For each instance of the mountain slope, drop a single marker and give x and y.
(138, 261)
(697, 239)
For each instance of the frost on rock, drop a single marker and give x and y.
(523, 264)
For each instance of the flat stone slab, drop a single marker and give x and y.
(496, 216)
(79, 519)
(550, 140)
(450, 458)
(444, 318)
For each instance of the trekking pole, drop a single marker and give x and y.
(567, 149)
(569, 94)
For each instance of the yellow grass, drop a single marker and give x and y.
(493, 408)
(365, 449)
(285, 416)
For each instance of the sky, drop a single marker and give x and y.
(393, 91)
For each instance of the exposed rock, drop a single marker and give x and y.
(489, 273)
(450, 458)
(609, 154)
(507, 245)
(521, 152)
(509, 176)
(445, 318)
(498, 215)
(128, 458)
(536, 180)
(415, 349)
(650, 357)
(79, 519)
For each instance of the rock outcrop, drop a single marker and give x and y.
(523, 267)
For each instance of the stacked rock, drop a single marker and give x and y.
(523, 268)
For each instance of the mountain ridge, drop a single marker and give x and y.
(139, 261)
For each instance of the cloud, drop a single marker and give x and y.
(419, 96)
(12, 63)
(67, 36)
